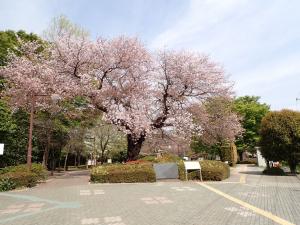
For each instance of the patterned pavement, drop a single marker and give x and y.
(247, 197)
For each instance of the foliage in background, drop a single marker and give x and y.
(252, 112)
(60, 26)
(280, 137)
(109, 141)
(229, 153)
(10, 41)
(221, 126)
(218, 121)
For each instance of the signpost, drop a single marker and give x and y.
(192, 165)
(1, 149)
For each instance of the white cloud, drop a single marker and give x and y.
(200, 16)
(256, 41)
(271, 72)
(30, 15)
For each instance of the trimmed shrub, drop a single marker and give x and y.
(165, 158)
(20, 179)
(275, 171)
(123, 173)
(18, 176)
(36, 168)
(211, 170)
(181, 170)
(214, 170)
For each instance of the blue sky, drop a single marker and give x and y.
(257, 41)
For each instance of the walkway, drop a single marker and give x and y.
(247, 197)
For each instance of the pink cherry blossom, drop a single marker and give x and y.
(137, 90)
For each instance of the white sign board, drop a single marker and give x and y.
(1, 149)
(260, 159)
(192, 165)
(91, 162)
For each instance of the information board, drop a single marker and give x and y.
(1, 149)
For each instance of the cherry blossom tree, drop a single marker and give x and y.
(218, 120)
(33, 82)
(139, 91)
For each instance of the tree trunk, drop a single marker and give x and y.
(79, 157)
(293, 165)
(46, 152)
(29, 151)
(102, 157)
(134, 146)
(52, 162)
(66, 160)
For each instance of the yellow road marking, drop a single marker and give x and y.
(243, 179)
(249, 206)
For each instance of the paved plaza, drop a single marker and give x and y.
(247, 197)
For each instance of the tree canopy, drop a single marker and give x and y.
(138, 91)
(252, 112)
(280, 137)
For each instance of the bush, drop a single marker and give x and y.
(18, 176)
(164, 158)
(275, 171)
(123, 173)
(23, 179)
(211, 170)
(6, 184)
(36, 168)
(19, 179)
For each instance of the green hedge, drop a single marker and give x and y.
(123, 173)
(165, 158)
(211, 170)
(18, 176)
(21, 179)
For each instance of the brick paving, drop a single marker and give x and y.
(71, 200)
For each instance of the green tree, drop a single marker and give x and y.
(61, 25)
(220, 124)
(251, 111)
(10, 41)
(13, 125)
(280, 137)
